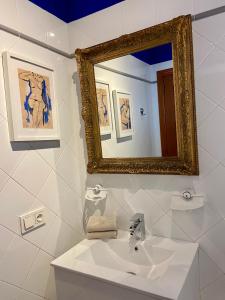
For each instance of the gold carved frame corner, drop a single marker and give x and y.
(179, 32)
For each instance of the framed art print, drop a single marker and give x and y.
(104, 107)
(30, 97)
(123, 113)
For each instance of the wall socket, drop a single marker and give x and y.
(32, 220)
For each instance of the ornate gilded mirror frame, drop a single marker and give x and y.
(178, 32)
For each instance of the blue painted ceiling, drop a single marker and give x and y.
(71, 10)
(155, 55)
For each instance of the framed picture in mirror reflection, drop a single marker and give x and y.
(104, 107)
(123, 113)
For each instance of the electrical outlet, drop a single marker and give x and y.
(32, 220)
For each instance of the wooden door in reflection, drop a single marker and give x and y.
(167, 114)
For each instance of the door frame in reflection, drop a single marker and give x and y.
(167, 112)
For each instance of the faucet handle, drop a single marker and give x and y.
(133, 226)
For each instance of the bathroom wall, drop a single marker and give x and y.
(140, 93)
(42, 174)
(152, 194)
(37, 174)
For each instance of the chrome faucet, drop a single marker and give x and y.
(137, 227)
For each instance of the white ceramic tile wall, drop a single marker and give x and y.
(60, 189)
(151, 194)
(41, 173)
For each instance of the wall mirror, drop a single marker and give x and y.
(138, 101)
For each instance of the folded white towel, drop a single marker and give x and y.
(102, 235)
(179, 203)
(101, 223)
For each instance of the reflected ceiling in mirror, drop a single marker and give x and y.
(136, 105)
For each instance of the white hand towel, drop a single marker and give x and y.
(101, 223)
(102, 235)
(179, 203)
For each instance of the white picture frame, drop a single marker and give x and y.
(105, 121)
(121, 130)
(32, 108)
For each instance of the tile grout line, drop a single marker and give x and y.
(20, 288)
(28, 241)
(181, 229)
(54, 170)
(205, 232)
(212, 282)
(30, 268)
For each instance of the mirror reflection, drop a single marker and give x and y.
(136, 105)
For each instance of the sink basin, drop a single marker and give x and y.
(147, 260)
(159, 268)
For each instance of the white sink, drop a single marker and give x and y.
(159, 268)
(147, 261)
